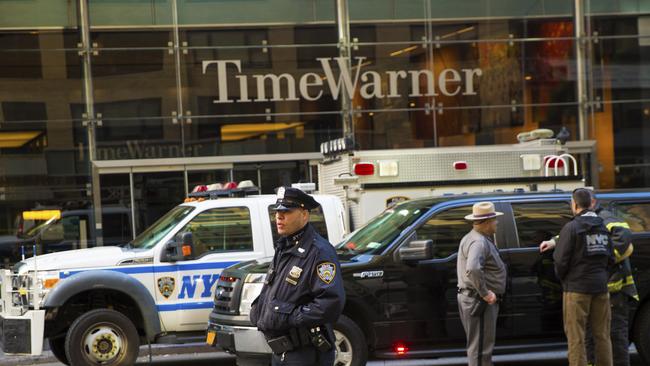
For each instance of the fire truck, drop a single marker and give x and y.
(369, 181)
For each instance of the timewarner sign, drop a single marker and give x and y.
(312, 86)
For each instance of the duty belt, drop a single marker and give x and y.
(468, 292)
(299, 337)
(473, 293)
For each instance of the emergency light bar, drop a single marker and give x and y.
(231, 189)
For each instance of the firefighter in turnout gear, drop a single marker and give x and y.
(621, 287)
(303, 294)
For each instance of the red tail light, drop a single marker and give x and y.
(460, 165)
(401, 349)
(364, 169)
(227, 279)
(554, 162)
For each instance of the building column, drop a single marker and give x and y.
(90, 120)
(343, 30)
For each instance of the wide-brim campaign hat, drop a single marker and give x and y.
(289, 198)
(483, 211)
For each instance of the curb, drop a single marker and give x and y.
(156, 350)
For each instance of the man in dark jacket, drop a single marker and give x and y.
(303, 294)
(582, 257)
(621, 285)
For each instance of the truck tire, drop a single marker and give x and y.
(57, 346)
(642, 333)
(102, 337)
(351, 347)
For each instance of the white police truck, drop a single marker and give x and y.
(97, 306)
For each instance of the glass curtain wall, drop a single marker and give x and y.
(188, 79)
(619, 87)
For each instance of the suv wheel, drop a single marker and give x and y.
(642, 333)
(102, 337)
(351, 348)
(57, 346)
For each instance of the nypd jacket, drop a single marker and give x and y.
(583, 254)
(303, 286)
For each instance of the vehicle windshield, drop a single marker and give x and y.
(150, 237)
(377, 234)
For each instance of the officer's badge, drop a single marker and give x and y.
(326, 272)
(281, 193)
(295, 272)
(166, 286)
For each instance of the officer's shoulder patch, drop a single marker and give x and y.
(326, 272)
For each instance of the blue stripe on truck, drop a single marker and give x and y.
(155, 269)
(186, 306)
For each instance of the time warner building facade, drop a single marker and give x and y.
(132, 103)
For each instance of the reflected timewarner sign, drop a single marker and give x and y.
(311, 86)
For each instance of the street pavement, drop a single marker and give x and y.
(199, 355)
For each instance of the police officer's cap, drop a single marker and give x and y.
(290, 198)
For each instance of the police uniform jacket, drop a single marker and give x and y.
(583, 254)
(303, 286)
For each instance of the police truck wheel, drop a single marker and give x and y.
(57, 346)
(102, 337)
(642, 334)
(351, 347)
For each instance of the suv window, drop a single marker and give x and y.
(316, 218)
(636, 214)
(539, 221)
(223, 229)
(446, 229)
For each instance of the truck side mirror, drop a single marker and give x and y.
(177, 250)
(187, 247)
(416, 250)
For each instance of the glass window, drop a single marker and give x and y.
(446, 229)
(117, 227)
(224, 229)
(539, 221)
(316, 218)
(636, 214)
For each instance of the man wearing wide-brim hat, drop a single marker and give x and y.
(481, 283)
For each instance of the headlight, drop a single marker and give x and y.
(250, 291)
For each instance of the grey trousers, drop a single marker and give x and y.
(479, 330)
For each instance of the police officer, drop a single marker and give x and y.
(582, 257)
(303, 294)
(481, 282)
(621, 285)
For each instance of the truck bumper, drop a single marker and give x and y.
(22, 334)
(240, 340)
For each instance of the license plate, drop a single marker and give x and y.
(211, 337)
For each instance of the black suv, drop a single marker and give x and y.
(400, 279)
